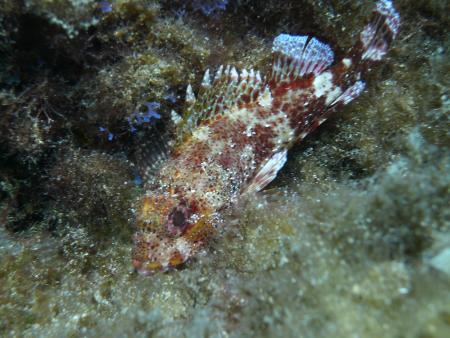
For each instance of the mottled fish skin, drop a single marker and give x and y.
(236, 139)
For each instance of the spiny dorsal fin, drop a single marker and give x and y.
(296, 56)
(226, 89)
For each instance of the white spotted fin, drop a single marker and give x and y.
(297, 56)
(267, 172)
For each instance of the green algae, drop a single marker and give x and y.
(342, 244)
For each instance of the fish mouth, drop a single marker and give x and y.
(150, 268)
(146, 269)
(145, 273)
(152, 255)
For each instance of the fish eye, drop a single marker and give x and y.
(178, 218)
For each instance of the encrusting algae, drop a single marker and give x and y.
(234, 138)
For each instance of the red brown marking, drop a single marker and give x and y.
(196, 154)
(227, 158)
(264, 113)
(220, 130)
(276, 104)
(279, 89)
(246, 98)
(262, 146)
(255, 95)
(238, 138)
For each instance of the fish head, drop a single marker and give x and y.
(169, 232)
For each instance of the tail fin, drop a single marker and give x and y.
(374, 43)
(379, 33)
(305, 83)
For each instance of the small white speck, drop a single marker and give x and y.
(347, 62)
(403, 291)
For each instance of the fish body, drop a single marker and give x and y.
(236, 134)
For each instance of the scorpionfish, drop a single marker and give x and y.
(234, 137)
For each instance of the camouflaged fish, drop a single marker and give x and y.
(234, 137)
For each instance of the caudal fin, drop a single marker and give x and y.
(380, 32)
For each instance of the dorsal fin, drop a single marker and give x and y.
(228, 88)
(149, 155)
(297, 56)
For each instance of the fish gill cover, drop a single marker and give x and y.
(354, 231)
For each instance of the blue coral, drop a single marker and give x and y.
(105, 6)
(110, 135)
(209, 6)
(138, 118)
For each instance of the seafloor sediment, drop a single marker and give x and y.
(352, 240)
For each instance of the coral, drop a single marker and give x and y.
(72, 16)
(206, 7)
(209, 6)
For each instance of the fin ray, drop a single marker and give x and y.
(150, 155)
(379, 33)
(227, 88)
(297, 56)
(267, 172)
(350, 93)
